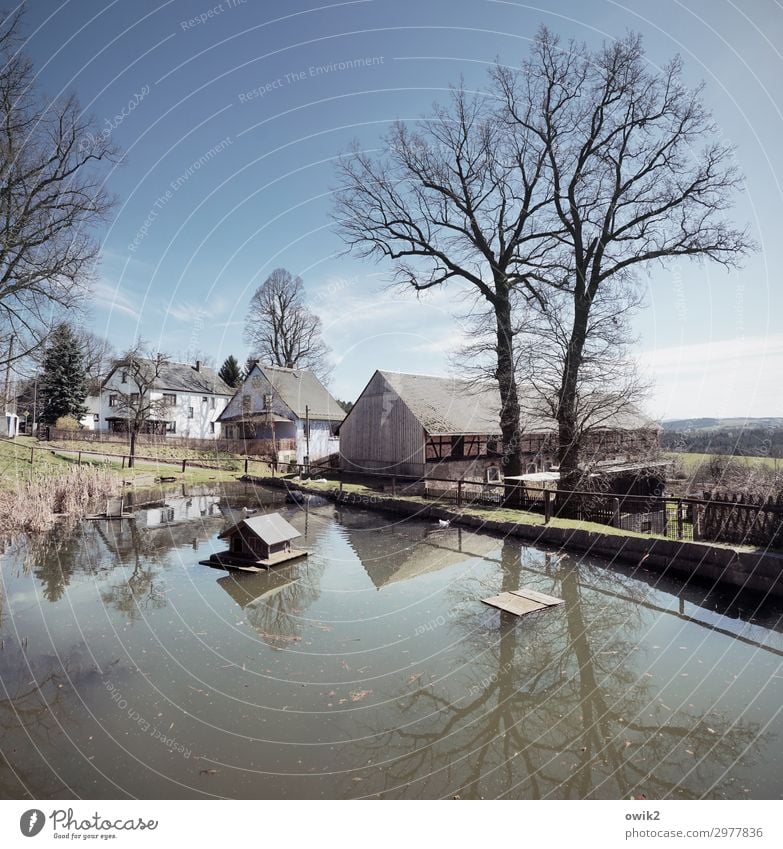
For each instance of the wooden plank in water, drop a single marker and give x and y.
(512, 603)
(545, 599)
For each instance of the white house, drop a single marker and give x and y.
(290, 406)
(91, 420)
(195, 396)
(10, 424)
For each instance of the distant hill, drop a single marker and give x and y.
(748, 437)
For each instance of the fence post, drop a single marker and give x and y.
(184, 463)
(246, 462)
(547, 506)
(679, 519)
(32, 455)
(79, 461)
(616, 511)
(459, 493)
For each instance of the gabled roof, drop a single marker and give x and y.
(271, 528)
(301, 391)
(447, 405)
(184, 377)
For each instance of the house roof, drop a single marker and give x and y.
(303, 392)
(271, 527)
(184, 377)
(447, 405)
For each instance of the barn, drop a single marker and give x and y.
(427, 426)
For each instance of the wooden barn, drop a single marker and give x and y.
(426, 426)
(258, 542)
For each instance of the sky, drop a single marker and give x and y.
(232, 115)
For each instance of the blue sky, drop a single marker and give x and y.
(232, 114)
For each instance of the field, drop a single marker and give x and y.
(49, 461)
(691, 462)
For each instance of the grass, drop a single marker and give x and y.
(691, 462)
(16, 470)
(488, 514)
(158, 451)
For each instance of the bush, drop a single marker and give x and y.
(67, 423)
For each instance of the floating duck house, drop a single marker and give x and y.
(258, 542)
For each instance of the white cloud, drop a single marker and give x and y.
(107, 296)
(727, 377)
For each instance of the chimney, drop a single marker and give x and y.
(198, 365)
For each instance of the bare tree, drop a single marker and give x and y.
(456, 201)
(610, 389)
(639, 175)
(51, 198)
(141, 407)
(282, 331)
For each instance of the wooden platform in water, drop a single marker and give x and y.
(227, 560)
(520, 602)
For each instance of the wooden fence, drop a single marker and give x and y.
(252, 447)
(730, 519)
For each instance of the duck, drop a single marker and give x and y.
(444, 523)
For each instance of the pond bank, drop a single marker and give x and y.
(747, 569)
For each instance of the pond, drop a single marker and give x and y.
(371, 668)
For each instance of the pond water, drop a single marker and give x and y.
(371, 667)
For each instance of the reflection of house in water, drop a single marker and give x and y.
(162, 526)
(170, 511)
(404, 551)
(274, 601)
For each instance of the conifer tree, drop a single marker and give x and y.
(63, 382)
(231, 372)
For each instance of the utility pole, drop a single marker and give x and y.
(7, 389)
(307, 437)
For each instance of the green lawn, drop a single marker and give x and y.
(691, 462)
(15, 465)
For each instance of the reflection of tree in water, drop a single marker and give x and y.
(54, 558)
(276, 601)
(33, 703)
(553, 710)
(144, 588)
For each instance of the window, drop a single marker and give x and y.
(267, 402)
(112, 400)
(212, 402)
(170, 399)
(203, 399)
(134, 398)
(190, 412)
(211, 427)
(171, 427)
(96, 417)
(125, 377)
(245, 403)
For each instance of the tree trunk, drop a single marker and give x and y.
(132, 448)
(568, 436)
(507, 383)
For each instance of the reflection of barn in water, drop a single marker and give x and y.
(404, 551)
